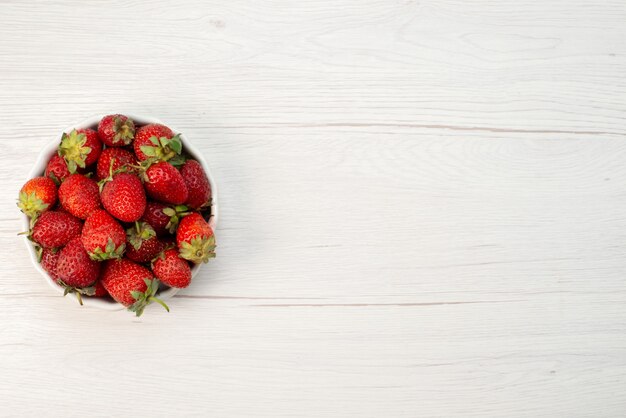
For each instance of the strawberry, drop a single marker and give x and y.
(124, 197)
(103, 237)
(164, 183)
(143, 244)
(112, 159)
(55, 229)
(131, 284)
(57, 169)
(197, 183)
(163, 218)
(195, 239)
(79, 196)
(116, 130)
(49, 259)
(76, 271)
(171, 269)
(80, 148)
(37, 196)
(143, 138)
(156, 218)
(98, 290)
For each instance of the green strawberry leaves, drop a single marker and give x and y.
(73, 150)
(124, 130)
(198, 250)
(55, 179)
(176, 214)
(109, 252)
(143, 299)
(140, 233)
(78, 291)
(30, 204)
(163, 149)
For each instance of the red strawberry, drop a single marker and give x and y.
(143, 135)
(118, 156)
(131, 284)
(57, 169)
(80, 148)
(195, 239)
(79, 196)
(103, 237)
(76, 270)
(49, 259)
(116, 130)
(37, 195)
(163, 218)
(99, 290)
(124, 197)
(156, 218)
(143, 244)
(164, 183)
(171, 269)
(55, 229)
(197, 184)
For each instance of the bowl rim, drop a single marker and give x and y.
(91, 122)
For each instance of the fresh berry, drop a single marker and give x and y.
(165, 184)
(171, 269)
(195, 239)
(157, 141)
(197, 184)
(37, 196)
(55, 229)
(142, 243)
(79, 196)
(80, 148)
(124, 197)
(99, 290)
(162, 218)
(112, 159)
(103, 237)
(131, 284)
(49, 259)
(57, 169)
(156, 218)
(116, 130)
(76, 271)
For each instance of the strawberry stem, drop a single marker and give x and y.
(160, 302)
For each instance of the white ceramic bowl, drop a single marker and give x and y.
(39, 168)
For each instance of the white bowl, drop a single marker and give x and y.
(39, 168)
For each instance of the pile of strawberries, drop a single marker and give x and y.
(120, 212)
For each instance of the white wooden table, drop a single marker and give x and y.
(423, 208)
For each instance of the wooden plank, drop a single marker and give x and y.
(422, 208)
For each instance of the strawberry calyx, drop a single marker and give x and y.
(140, 233)
(122, 169)
(73, 150)
(143, 299)
(124, 130)
(78, 291)
(55, 179)
(198, 250)
(176, 214)
(31, 205)
(109, 252)
(161, 255)
(164, 149)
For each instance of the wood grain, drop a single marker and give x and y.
(422, 208)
